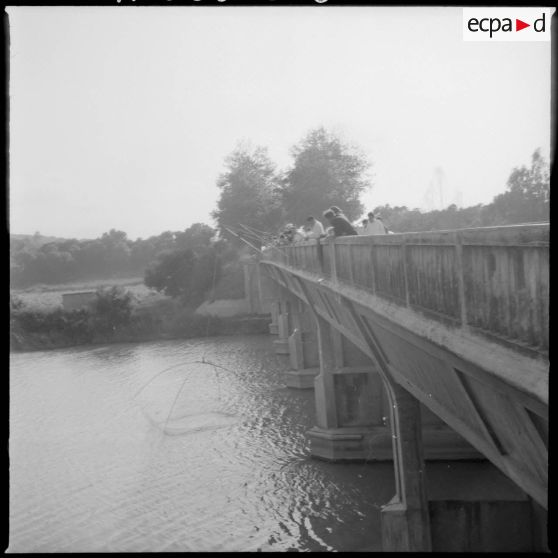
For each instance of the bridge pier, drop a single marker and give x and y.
(348, 396)
(303, 348)
(473, 507)
(362, 428)
(283, 328)
(274, 310)
(406, 520)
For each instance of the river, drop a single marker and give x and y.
(183, 445)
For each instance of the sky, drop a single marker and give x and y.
(122, 117)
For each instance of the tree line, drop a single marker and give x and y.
(326, 171)
(111, 255)
(526, 200)
(253, 193)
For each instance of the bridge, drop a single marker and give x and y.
(424, 346)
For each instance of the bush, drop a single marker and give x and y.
(111, 308)
(58, 327)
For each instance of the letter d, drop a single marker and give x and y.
(543, 24)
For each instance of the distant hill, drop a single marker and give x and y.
(30, 243)
(37, 239)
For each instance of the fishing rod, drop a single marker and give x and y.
(256, 232)
(251, 245)
(243, 240)
(251, 235)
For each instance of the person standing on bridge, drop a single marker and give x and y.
(341, 225)
(362, 227)
(315, 228)
(337, 212)
(374, 225)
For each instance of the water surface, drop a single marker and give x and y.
(188, 445)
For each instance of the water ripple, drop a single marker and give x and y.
(148, 447)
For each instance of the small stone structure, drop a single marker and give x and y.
(77, 301)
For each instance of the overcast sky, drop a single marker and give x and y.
(121, 117)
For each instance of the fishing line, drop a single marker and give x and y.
(207, 328)
(188, 362)
(256, 230)
(253, 235)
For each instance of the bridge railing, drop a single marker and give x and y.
(494, 280)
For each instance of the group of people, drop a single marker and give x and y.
(339, 225)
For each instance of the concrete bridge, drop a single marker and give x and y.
(428, 346)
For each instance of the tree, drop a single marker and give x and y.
(170, 274)
(112, 307)
(184, 274)
(527, 198)
(325, 172)
(117, 250)
(197, 237)
(250, 192)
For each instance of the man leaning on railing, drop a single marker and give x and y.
(341, 225)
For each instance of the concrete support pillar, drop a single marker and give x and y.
(274, 310)
(326, 405)
(266, 290)
(349, 424)
(406, 520)
(303, 348)
(474, 507)
(283, 328)
(363, 411)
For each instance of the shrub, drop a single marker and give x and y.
(111, 308)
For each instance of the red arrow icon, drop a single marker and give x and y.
(519, 25)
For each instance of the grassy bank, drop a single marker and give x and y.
(131, 314)
(49, 297)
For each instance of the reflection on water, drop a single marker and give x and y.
(191, 445)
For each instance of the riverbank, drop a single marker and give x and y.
(118, 316)
(140, 330)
